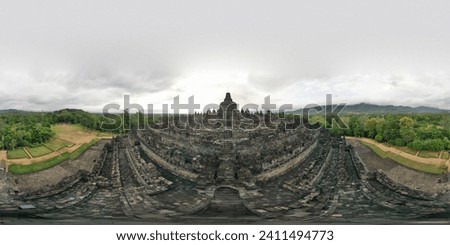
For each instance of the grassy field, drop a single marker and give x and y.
(445, 155)
(17, 154)
(75, 154)
(56, 144)
(34, 167)
(25, 169)
(60, 129)
(406, 149)
(106, 135)
(39, 151)
(69, 142)
(429, 154)
(427, 168)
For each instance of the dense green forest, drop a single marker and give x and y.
(417, 131)
(24, 129)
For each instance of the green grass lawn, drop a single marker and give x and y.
(75, 154)
(56, 144)
(16, 154)
(73, 127)
(427, 168)
(39, 150)
(445, 155)
(429, 154)
(105, 134)
(34, 167)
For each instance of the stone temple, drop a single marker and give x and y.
(286, 172)
(227, 110)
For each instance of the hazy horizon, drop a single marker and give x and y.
(86, 54)
(159, 110)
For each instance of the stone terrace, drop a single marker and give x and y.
(225, 176)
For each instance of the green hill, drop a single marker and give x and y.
(364, 108)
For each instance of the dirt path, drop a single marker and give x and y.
(28, 153)
(433, 161)
(27, 161)
(3, 155)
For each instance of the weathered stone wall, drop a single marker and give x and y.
(386, 181)
(258, 150)
(287, 166)
(168, 166)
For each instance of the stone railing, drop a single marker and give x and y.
(282, 169)
(168, 166)
(361, 169)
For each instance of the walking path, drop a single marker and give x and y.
(28, 153)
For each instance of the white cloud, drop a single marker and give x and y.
(88, 53)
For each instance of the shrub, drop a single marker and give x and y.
(378, 137)
(398, 142)
(430, 145)
(416, 145)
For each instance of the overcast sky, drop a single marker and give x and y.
(88, 53)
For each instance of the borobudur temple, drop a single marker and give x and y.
(219, 167)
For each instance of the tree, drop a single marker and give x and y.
(336, 130)
(371, 126)
(380, 129)
(141, 120)
(407, 133)
(126, 119)
(391, 128)
(356, 128)
(12, 144)
(416, 145)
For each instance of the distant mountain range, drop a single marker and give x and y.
(22, 111)
(364, 108)
(11, 111)
(361, 108)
